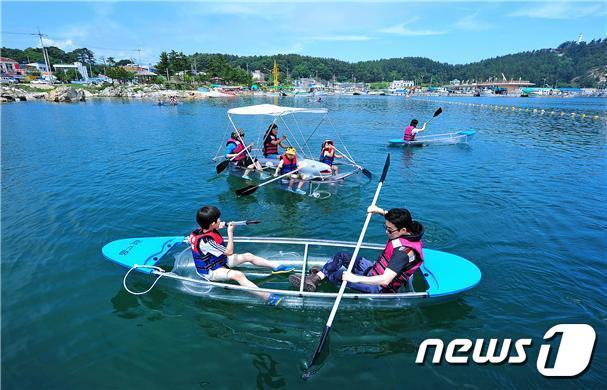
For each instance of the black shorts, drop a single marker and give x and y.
(245, 162)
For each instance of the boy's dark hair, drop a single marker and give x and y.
(414, 122)
(206, 215)
(401, 218)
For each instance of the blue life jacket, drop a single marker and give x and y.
(207, 261)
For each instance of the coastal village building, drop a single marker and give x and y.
(258, 76)
(399, 87)
(9, 67)
(143, 73)
(41, 67)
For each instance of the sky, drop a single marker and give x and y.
(456, 32)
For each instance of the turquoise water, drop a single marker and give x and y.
(524, 201)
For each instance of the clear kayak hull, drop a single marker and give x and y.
(442, 277)
(459, 137)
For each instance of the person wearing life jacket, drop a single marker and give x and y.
(401, 257)
(214, 258)
(271, 142)
(235, 148)
(411, 130)
(328, 154)
(288, 163)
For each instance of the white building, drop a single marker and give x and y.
(40, 66)
(400, 84)
(258, 76)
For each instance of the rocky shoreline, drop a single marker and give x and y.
(69, 94)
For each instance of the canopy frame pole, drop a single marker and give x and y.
(303, 268)
(341, 140)
(303, 138)
(291, 133)
(240, 139)
(218, 153)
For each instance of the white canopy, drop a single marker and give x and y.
(273, 110)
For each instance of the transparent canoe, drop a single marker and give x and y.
(442, 277)
(458, 137)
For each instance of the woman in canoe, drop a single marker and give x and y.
(214, 258)
(271, 142)
(411, 130)
(401, 257)
(328, 153)
(235, 148)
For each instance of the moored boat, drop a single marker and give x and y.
(442, 276)
(457, 137)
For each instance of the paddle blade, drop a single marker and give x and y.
(247, 190)
(253, 222)
(437, 112)
(386, 166)
(367, 173)
(221, 166)
(317, 353)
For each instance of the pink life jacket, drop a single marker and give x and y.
(384, 260)
(239, 148)
(409, 135)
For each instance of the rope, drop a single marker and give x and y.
(160, 274)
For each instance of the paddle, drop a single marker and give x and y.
(223, 165)
(247, 222)
(436, 113)
(327, 329)
(252, 188)
(365, 171)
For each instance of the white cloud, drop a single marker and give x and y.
(340, 38)
(560, 10)
(65, 45)
(402, 29)
(472, 23)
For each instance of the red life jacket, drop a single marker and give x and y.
(268, 147)
(288, 165)
(327, 159)
(207, 261)
(239, 148)
(409, 135)
(384, 261)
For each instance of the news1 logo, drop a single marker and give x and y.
(573, 354)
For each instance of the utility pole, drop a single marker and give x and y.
(47, 61)
(139, 50)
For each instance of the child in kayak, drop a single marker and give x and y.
(411, 130)
(328, 153)
(214, 258)
(271, 142)
(235, 147)
(288, 163)
(401, 257)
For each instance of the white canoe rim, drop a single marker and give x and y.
(446, 275)
(273, 110)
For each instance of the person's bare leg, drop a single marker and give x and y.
(251, 258)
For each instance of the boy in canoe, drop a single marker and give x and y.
(214, 258)
(401, 257)
(328, 153)
(235, 148)
(412, 130)
(288, 163)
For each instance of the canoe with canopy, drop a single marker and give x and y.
(314, 172)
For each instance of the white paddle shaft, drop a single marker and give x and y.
(354, 255)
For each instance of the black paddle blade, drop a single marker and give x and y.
(386, 166)
(221, 166)
(310, 371)
(367, 173)
(246, 190)
(253, 222)
(437, 112)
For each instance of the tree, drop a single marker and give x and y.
(163, 64)
(66, 76)
(120, 74)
